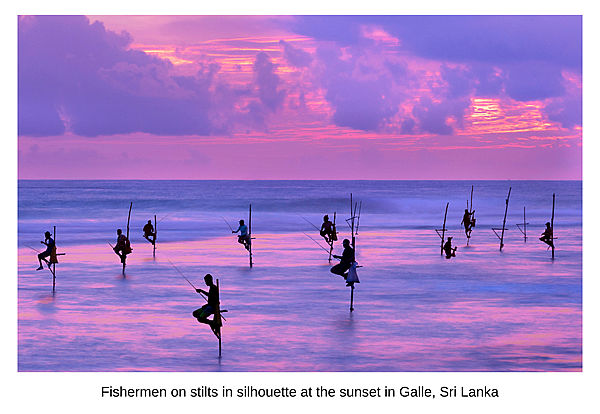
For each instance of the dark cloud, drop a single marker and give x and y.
(359, 104)
(520, 56)
(268, 81)
(433, 116)
(77, 75)
(529, 81)
(361, 95)
(460, 81)
(566, 110)
(491, 39)
(295, 56)
(489, 82)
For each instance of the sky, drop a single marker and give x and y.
(300, 97)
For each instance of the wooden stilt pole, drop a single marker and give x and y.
(54, 264)
(127, 235)
(352, 225)
(331, 241)
(524, 225)
(155, 236)
(218, 316)
(358, 217)
(552, 223)
(471, 198)
(352, 217)
(444, 229)
(129, 218)
(250, 233)
(504, 221)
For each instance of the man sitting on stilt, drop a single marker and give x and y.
(449, 250)
(466, 221)
(346, 260)
(50, 246)
(149, 232)
(547, 236)
(122, 248)
(243, 238)
(327, 230)
(211, 306)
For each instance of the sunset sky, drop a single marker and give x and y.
(300, 97)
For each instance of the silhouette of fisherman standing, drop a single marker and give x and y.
(211, 306)
(243, 238)
(123, 247)
(547, 235)
(448, 249)
(468, 222)
(328, 230)
(49, 252)
(346, 260)
(149, 232)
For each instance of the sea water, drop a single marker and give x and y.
(414, 310)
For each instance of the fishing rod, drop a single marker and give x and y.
(34, 249)
(358, 219)
(228, 225)
(182, 275)
(318, 244)
(192, 285)
(37, 251)
(308, 221)
(164, 217)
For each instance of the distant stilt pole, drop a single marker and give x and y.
(250, 233)
(155, 236)
(218, 315)
(552, 223)
(331, 241)
(128, 219)
(471, 198)
(504, 221)
(54, 264)
(352, 225)
(524, 225)
(358, 218)
(444, 229)
(352, 217)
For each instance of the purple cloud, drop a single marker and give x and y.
(295, 56)
(268, 81)
(491, 39)
(529, 81)
(520, 56)
(77, 76)
(433, 117)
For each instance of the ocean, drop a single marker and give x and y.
(414, 310)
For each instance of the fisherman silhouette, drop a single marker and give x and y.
(327, 230)
(449, 250)
(50, 246)
(468, 221)
(149, 232)
(346, 260)
(123, 247)
(243, 238)
(202, 314)
(547, 236)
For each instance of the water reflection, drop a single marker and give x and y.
(415, 310)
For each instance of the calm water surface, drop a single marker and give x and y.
(485, 310)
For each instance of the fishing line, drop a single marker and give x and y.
(318, 244)
(228, 225)
(308, 221)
